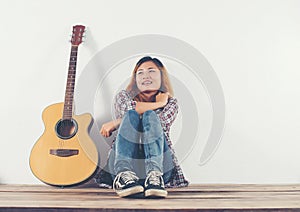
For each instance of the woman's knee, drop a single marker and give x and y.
(151, 120)
(131, 113)
(131, 116)
(150, 116)
(131, 121)
(149, 112)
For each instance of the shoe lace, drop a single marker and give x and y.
(154, 178)
(126, 177)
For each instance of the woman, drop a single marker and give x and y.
(142, 157)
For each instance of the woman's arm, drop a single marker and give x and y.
(142, 107)
(124, 104)
(161, 101)
(108, 127)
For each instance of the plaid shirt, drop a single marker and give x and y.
(167, 115)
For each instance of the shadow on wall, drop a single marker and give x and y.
(102, 66)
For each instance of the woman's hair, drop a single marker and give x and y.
(165, 82)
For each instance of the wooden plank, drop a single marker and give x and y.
(239, 187)
(194, 197)
(191, 188)
(158, 204)
(68, 198)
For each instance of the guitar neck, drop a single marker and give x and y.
(69, 94)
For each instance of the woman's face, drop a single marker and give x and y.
(148, 77)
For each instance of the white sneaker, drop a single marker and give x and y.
(154, 185)
(126, 184)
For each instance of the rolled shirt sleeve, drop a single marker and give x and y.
(123, 103)
(168, 114)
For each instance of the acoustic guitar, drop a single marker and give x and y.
(65, 155)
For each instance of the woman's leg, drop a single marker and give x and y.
(168, 164)
(154, 148)
(125, 150)
(127, 142)
(153, 142)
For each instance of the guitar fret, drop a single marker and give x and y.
(68, 106)
(69, 94)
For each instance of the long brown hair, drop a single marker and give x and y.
(165, 82)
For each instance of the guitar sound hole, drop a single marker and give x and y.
(66, 128)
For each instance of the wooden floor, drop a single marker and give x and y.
(206, 197)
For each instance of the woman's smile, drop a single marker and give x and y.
(147, 82)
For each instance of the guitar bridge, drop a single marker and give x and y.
(64, 152)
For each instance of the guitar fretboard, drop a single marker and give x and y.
(68, 104)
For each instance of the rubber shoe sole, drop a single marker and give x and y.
(130, 191)
(156, 193)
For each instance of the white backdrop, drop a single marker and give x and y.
(253, 46)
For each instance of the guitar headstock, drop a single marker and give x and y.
(77, 35)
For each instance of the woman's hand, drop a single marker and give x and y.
(109, 127)
(162, 98)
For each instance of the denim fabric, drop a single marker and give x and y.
(141, 146)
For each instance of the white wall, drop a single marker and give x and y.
(253, 46)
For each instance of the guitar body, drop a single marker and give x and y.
(65, 154)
